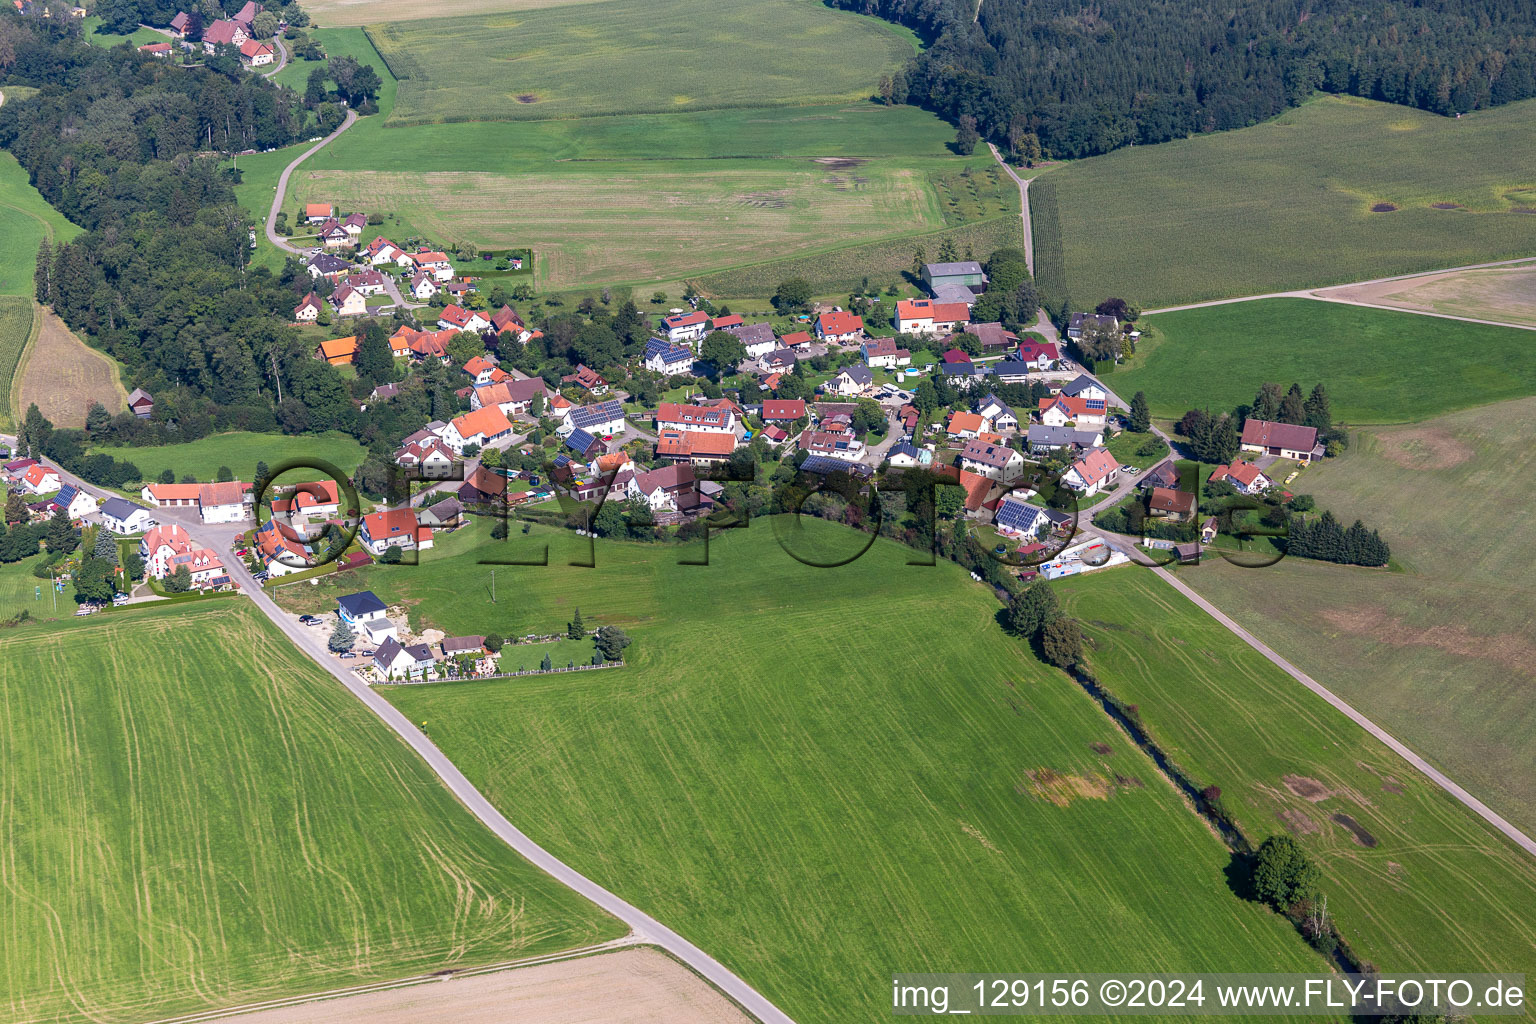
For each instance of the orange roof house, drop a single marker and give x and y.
(966, 422)
(324, 211)
(338, 351)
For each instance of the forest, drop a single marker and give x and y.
(1061, 79)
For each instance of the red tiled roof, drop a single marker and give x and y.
(839, 323)
(1280, 435)
(783, 408)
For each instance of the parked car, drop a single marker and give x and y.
(309, 620)
(348, 654)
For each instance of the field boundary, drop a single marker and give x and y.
(12, 410)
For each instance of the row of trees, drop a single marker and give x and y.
(1326, 539)
(1049, 78)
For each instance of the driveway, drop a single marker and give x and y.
(1023, 183)
(282, 58)
(282, 184)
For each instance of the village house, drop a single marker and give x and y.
(661, 356)
(994, 461)
(224, 32)
(156, 49)
(1084, 387)
(318, 213)
(587, 379)
(170, 495)
(994, 337)
(423, 286)
(459, 646)
(757, 339)
(851, 380)
(506, 321)
(457, 318)
(884, 353)
(965, 425)
(512, 397)
(600, 420)
(997, 414)
(780, 360)
(1173, 505)
(834, 440)
(382, 251)
(480, 370)
(228, 501)
(396, 662)
(365, 613)
(1043, 439)
(954, 282)
(905, 455)
(686, 328)
(1016, 517)
(1010, 371)
(73, 501)
(281, 549)
(924, 316)
(725, 323)
(338, 351)
(369, 282)
(483, 486)
(964, 374)
(1286, 440)
(348, 301)
(254, 54)
(353, 224)
(669, 489)
(326, 264)
(180, 24)
(40, 479)
(308, 311)
(309, 500)
(1208, 530)
(783, 410)
(1078, 321)
(141, 403)
(1063, 410)
(699, 419)
(393, 528)
(165, 549)
(1164, 474)
(701, 448)
(444, 514)
(481, 427)
(435, 263)
(332, 235)
(839, 328)
(1093, 472)
(1038, 355)
(122, 516)
(1245, 476)
(431, 457)
(798, 341)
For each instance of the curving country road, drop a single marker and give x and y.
(282, 58)
(282, 183)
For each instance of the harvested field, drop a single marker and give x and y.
(64, 375)
(346, 13)
(1506, 294)
(631, 986)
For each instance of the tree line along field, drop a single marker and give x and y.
(197, 816)
(624, 57)
(240, 451)
(1288, 203)
(1379, 366)
(1414, 880)
(1439, 653)
(814, 811)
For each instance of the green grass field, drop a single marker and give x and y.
(16, 324)
(25, 220)
(813, 804)
(1439, 653)
(94, 35)
(240, 452)
(196, 816)
(626, 58)
(1378, 366)
(19, 593)
(1434, 889)
(1287, 204)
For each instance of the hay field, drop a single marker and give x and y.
(1441, 653)
(1379, 366)
(64, 375)
(1507, 294)
(633, 222)
(1288, 204)
(633, 57)
(195, 816)
(814, 805)
(1415, 880)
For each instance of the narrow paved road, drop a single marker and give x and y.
(1023, 183)
(282, 57)
(282, 184)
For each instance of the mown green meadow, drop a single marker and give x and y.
(240, 451)
(1419, 882)
(1288, 203)
(819, 774)
(1439, 652)
(1379, 366)
(25, 220)
(626, 58)
(196, 816)
(16, 323)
